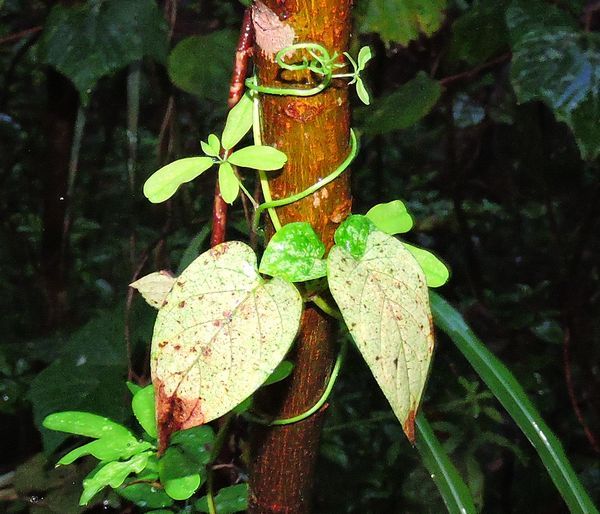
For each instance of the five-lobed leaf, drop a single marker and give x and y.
(239, 122)
(162, 184)
(258, 157)
(229, 184)
(221, 332)
(382, 295)
(294, 253)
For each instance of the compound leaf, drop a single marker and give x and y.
(383, 298)
(221, 332)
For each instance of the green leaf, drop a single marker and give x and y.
(281, 372)
(258, 157)
(402, 21)
(143, 409)
(88, 41)
(364, 56)
(239, 122)
(201, 65)
(84, 423)
(402, 108)
(513, 398)
(294, 253)
(163, 183)
(218, 346)
(154, 287)
(383, 298)
(145, 495)
(560, 66)
(391, 218)
(450, 484)
(213, 147)
(228, 501)
(353, 233)
(362, 92)
(229, 184)
(193, 442)
(436, 272)
(111, 474)
(179, 476)
(112, 447)
(133, 388)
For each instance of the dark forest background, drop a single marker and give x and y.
(486, 122)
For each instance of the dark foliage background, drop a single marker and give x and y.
(489, 129)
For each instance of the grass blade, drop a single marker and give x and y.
(454, 491)
(511, 395)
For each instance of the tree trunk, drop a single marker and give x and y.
(314, 133)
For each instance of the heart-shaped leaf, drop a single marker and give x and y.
(295, 254)
(154, 287)
(221, 332)
(239, 122)
(162, 184)
(391, 218)
(384, 300)
(212, 147)
(229, 184)
(259, 157)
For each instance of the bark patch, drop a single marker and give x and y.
(271, 34)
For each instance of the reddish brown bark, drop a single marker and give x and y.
(314, 133)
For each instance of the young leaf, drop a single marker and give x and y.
(213, 147)
(295, 254)
(84, 423)
(239, 122)
(112, 474)
(228, 501)
(383, 298)
(133, 388)
(258, 157)
(391, 218)
(229, 184)
(143, 409)
(221, 333)
(352, 235)
(364, 56)
(179, 476)
(154, 287)
(362, 92)
(163, 183)
(436, 272)
(107, 448)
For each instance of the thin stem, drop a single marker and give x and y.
(312, 189)
(317, 406)
(326, 307)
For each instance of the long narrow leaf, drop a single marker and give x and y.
(512, 396)
(454, 491)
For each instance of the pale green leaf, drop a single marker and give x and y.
(391, 218)
(384, 300)
(258, 157)
(294, 253)
(213, 147)
(436, 272)
(179, 476)
(154, 287)
(229, 184)
(163, 183)
(112, 474)
(143, 409)
(221, 333)
(113, 447)
(364, 56)
(239, 122)
(362, 92)
(84, 423)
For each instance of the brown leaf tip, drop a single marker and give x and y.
(409, 425)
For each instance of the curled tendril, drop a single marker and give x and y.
(315, 187)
